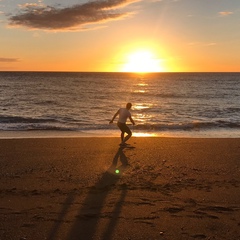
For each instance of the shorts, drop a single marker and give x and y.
(124, 128)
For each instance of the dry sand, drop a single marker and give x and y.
(166, 188)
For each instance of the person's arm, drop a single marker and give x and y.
(114, 116)
(132, 121)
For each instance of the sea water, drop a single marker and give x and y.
(77, 104)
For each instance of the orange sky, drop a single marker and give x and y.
(180, 35)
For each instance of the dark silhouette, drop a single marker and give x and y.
(89, 215)
(124, 114)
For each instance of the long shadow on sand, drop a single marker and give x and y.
(90, 214)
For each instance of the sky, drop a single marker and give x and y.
(120, 35)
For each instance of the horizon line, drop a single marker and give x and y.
(46, 71)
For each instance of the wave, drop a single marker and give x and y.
(18, 123)
(17, 119)
(188, 126)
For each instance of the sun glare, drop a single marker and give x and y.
(142, 61)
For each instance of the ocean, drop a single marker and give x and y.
(82, 104)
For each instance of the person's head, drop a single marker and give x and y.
(128, 106)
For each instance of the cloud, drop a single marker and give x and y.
(210, 44)
(225, 13)
(38, 16)
(202, 44)
(9, 60)
(28, 5)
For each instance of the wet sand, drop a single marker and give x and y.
(165, 188)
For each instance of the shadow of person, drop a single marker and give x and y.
(90, 214)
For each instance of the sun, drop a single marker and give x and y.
(142, 61)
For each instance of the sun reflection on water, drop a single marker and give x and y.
(142, 84)
(142, 116)
(142, 134)
(140, 91)
(140, 106)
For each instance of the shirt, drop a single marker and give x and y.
(124, 114)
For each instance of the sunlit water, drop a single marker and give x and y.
(164, 104)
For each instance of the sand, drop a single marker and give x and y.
(166, 188)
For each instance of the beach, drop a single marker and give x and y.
(89, 188)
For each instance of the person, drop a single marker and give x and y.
(124, 114)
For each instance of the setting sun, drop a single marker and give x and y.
(142, 61)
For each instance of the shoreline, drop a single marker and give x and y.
(164, 188)
(222, 133)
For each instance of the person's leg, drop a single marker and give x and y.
(126, 138)
(122, 136)
(122, 129)
(129, 134)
